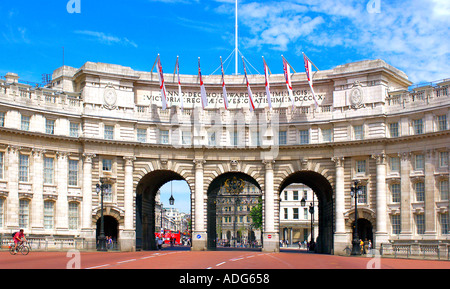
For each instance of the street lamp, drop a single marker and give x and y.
(355, 192)
(101, 238)
(311, 211)
(171, 199)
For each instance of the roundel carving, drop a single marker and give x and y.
(110, 97)
(356, 96)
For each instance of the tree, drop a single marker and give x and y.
(256, 215)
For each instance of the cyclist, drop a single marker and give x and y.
(18, 237)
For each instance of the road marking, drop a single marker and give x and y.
(126, 261)
(100, 266)
(220, 264)
(237, 259)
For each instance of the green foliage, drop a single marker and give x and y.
(256, 215)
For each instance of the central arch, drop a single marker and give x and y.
(146, 191)
(230, 197)
(324, 193)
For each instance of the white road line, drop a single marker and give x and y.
(209, 268)
(100, 266)
(220, 264)
(126, 261)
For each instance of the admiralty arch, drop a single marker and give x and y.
(104, 122)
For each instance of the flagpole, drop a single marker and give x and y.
(236, 49)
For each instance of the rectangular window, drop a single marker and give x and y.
(1, 212)
(305, 213)
(73, 216)
(285, 195)
(24, 212)
(443, 159)
(304, 136)
(395, 192)
(361, 167)
(393, 129)
(327, 135)
(74, 129)
(295, 196)
(25, 123)
(108, 193)
(23, 168)
(444, 223)
(1, 165)
(363, 198)
(444, 190)
(212, 138)
(73, 173)
(186, 138)
(50, 126)
(107, 165)
(109, 132)
(48, 170)
(442, 122)
(420, 191)
(164, 136)
(256, 138)
(396, 224)
(420, 224)
(282, 137)
(286, 214)
(295, 213)
(418, 126)
(2, 119)
(234, 138)
(394, 164)
(48, 214)
(142, 135)
(418, 162)
(358, 131)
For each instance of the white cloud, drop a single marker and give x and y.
(107, 39)
(411, 35)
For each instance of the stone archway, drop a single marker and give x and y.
(324, 193)
(146, 191)
(229, 196)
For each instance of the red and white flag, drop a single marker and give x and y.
(266, 73)
(202, 87)
(180, 94)
(251, 101)
(287, 76)
(162, 86)
(225, 98)
(308, 70)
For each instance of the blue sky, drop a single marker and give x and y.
(410, 35)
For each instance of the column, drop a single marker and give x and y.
(62, 205)
(37, 202)
(199, 236)
(430, 201)
(127, 236)
(381, 235)
(271, 242)
(405, 205)
(86, 218)
(341, 238)
(12, 201)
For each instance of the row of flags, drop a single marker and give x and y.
(204, 100)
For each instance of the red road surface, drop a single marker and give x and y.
(167, 259)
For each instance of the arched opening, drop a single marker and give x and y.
(150, 209)
(365, 231)
(234, 205)
(323, 193)
(111, 229)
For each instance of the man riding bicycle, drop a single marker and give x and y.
(18, 238)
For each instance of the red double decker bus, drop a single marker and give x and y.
(168, 236)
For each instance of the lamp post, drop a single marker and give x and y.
(355, 192)
(311, 211)
(101, 238)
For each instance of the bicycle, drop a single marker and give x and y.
(23, 249)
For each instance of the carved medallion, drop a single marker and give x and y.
(110, 97)
(356, 95)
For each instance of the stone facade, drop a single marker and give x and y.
(106, 121)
